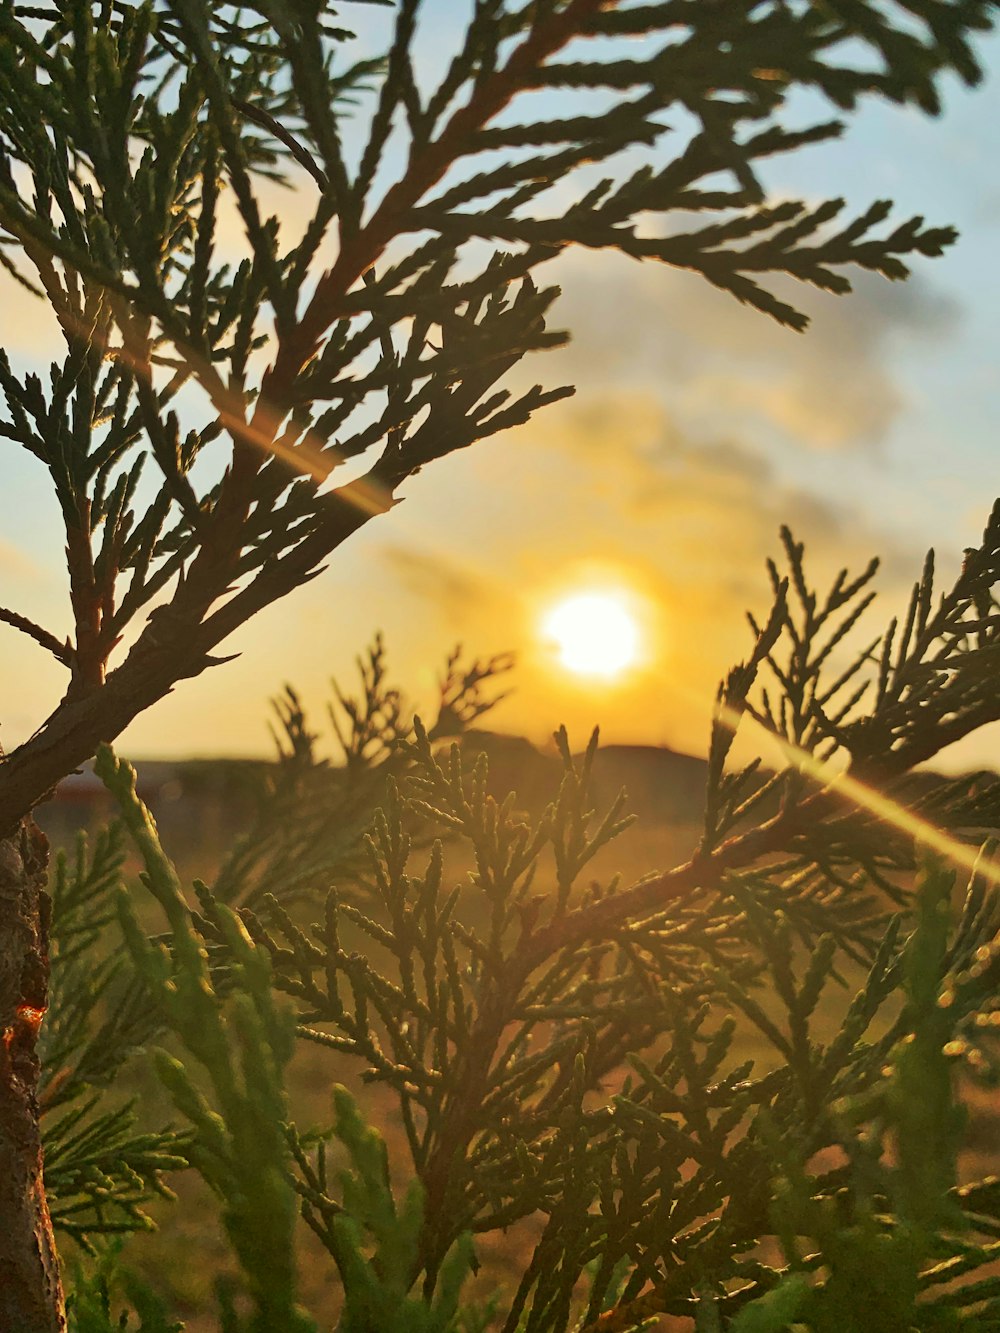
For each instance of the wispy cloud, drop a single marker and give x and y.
(461, 593)
(725, 366)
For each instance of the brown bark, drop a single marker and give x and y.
(31, 1298)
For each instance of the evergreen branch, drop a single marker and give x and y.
(497, 1014)
(268, 122)
(60, 651)
(241, 1148)
(424, 171)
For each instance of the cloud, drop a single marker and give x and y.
(715, 504)
(726, 366)
(444, 580)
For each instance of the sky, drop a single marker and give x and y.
(698, 428)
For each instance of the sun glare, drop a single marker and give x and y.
(594, 633)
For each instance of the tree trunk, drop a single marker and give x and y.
(31, 1298)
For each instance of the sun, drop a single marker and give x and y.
(594, 633)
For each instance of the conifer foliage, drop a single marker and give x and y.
(725, 1093)
(223, 413)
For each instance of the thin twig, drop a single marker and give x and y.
(61, 651)
(273, 126)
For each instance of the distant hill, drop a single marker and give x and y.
(661, 784)
(209, 797)
(210, 800)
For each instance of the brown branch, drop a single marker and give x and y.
(91, 652)
(30, 1290)
(177, 642)
(705, 870)
(460, 1114)
(301, 154)
(62, 652)
(257, 436)
(175, 645)
(425, 171)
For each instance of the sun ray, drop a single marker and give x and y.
(976, 860)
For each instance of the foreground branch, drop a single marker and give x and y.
(176, 645)
(30, 1290)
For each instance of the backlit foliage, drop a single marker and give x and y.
(727, 1091)
(222, 412)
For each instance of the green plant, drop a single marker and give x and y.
(122, 128)
(702, 1089)
(310, 812)
(100, 1169)
(90, 1305)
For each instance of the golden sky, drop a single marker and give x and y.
(697, 429)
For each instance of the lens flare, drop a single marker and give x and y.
(974, 859)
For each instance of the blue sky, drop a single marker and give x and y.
(698, 428)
